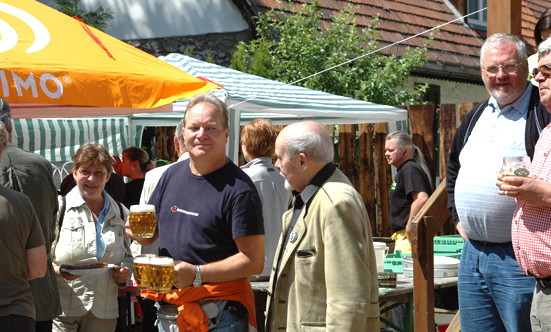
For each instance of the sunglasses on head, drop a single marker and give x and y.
(545, 70)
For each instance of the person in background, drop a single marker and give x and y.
(135, 164)
(325, 274)
(542, 31)
(531, 227)
(92, 227)
(31, 174)
(23, 255)
(494, 294)
(153, 176)
(209, 219)
(258, 145)
(411, 188)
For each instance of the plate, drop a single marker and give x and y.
(87, 272)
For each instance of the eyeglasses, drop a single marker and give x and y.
(509, 68)
(545, 70)
(86, 173)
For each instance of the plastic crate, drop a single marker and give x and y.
(394, 262)
(452, 244)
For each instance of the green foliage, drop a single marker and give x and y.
(210, 56)
(298, 43)
(188, 51)
(97, 18)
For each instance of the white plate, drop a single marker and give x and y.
(85, 272)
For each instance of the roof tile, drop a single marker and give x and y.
(400, 19)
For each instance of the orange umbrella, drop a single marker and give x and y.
(48, 58)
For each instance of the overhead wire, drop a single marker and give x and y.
(369, 53)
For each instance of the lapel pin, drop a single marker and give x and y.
(293, 237)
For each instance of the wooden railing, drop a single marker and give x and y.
(426, 225)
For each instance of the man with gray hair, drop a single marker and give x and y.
(411, 188)
(31, 174)
(531, 228)
(324, 274)
(494, 293)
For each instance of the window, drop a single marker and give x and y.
(479, 19)
(432, 95)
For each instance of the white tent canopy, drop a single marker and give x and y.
(249, 97)
(256, 97)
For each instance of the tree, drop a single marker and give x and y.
(298, 43)
(97, 18)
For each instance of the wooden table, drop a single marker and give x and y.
(403, 293)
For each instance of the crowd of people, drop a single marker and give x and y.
(297, 222)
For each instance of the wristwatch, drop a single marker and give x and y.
(197, 282)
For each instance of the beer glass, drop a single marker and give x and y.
(515, 166)
(160, 274)
(140, 270)
(143, 220)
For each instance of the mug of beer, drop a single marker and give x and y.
(140, 270)
(160, 274)
(515, 166)
(143, 220)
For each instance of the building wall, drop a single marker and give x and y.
(144, 19)
(452, 92)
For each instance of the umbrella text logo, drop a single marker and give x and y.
(9, 35)
(30, 83)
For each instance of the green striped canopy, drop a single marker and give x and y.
(58, 139)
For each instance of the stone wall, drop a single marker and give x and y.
(220, 45)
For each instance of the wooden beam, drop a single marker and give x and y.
(505, 16)
(347, 149)
(383, 180)
(464, 108)
(455, 325)
(425, 225)
(448, 126)
(366, 172)
(421, 118)
(423, 279)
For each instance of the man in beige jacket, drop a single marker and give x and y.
(324, 275)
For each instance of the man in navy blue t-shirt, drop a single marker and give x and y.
(210, 215)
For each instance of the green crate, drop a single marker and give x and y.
(394, 264)
(394, 261)
(452, 244)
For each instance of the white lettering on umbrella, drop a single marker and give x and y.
(9, 37)
(5, 87)
(53, 95)
(41, 33)
(30, 83)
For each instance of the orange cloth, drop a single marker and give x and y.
(191, 317)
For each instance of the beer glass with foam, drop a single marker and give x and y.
(143, 220)
(140, 270)
(160, 274)
(515, 166)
